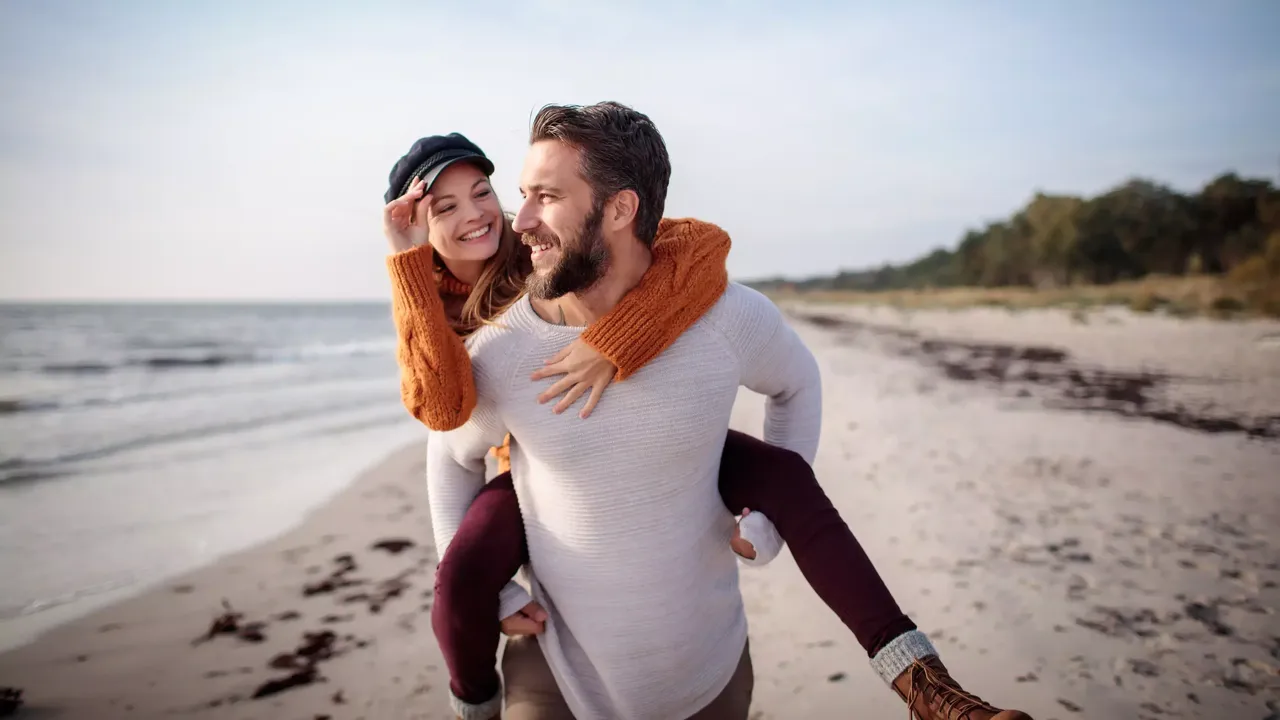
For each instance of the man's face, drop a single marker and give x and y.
(560, 221)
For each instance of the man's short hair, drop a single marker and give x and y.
(621, 149)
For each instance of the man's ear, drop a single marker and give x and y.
(621, 210)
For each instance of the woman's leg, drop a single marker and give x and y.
(780, 484)
(487, 551)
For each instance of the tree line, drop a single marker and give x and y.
(1231, 226)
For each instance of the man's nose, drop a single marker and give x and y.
(527, 217)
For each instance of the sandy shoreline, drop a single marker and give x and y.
(137, 659)
(1074, 564)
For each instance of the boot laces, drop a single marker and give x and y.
(941, 693)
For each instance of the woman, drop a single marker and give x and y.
(457, 264)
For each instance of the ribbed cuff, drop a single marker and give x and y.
(894, 658)
(626, 336)
(413, 274)
(487, 710)
(763, 536)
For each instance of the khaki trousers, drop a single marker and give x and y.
(531, 693)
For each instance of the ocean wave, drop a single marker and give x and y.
(175, 362)
(384, 346)
(113, 398)
(17, 470)
(153, 343)
(13, 406)
(80, 368)
(10, 612)
(205, 356)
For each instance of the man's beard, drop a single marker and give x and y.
(581, 265)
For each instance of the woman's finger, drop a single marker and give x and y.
(548, 371)
(421, 209)
(534, 610)
(596, 392)
(557, 388)
(564, 353)
(415, 189)
(521, 625)
(571, 397)
(743, 548)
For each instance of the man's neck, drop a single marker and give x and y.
(627, 266)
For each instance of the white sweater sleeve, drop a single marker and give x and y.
(776, 363)
(455, 475)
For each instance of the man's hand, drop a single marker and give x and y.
(739, 543)
(528, 620)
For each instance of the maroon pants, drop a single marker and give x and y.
(489, 548)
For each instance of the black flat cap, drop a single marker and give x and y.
(429, 156)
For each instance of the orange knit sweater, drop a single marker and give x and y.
(687, 277)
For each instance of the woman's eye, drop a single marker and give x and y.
(484, 193)
(445, 209)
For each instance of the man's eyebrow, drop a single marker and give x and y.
(539, 187)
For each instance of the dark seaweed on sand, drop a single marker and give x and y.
(10, 701)
(231, 622)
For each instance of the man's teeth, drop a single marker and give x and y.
(541, 248)
(477, 234)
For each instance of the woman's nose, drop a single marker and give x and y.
(471, 211)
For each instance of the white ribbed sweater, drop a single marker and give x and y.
(628, 537)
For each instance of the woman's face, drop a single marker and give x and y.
(465, 220)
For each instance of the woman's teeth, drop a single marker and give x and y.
(477, 234)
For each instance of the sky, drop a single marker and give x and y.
(152, 149)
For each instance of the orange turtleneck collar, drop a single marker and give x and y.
(450, 285)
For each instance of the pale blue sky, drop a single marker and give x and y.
(235, 149)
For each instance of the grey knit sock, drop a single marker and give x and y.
(486, 710)
(894, 658)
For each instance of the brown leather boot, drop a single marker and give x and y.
(932, 694)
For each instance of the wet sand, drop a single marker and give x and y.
(1079, 539)
(328, 621)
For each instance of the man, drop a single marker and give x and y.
(626, 530)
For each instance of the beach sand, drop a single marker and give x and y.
(1071, 554)
(141, 659)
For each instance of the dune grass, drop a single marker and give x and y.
(1202, 295)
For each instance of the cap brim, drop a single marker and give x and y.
(479, 161)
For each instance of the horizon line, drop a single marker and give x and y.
(191, 301)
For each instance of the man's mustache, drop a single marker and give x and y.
(540, 238)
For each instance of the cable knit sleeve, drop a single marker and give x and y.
(688, 276)
(436, 384)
